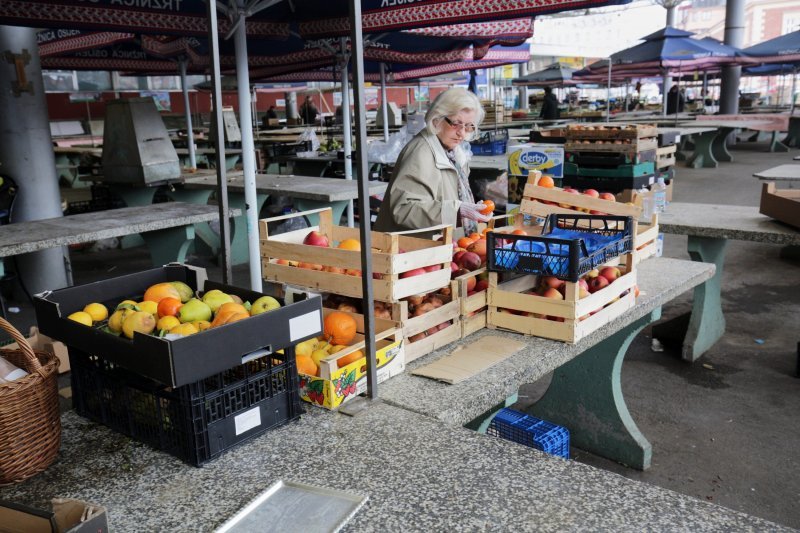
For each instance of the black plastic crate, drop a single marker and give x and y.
(180, 361)
(612, 185)
(667, 138)
(564, 258)
(196, 422)
(491, 136)
(610, 159)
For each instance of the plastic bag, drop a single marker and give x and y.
(387, 152)
(309, 135)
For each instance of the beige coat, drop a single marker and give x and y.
(423, 191)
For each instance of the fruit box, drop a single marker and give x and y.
(335, 386)
(184, 360)
(581, 316)
(44, 343)
(617, 131)
(783, 205)
(543, 201)
(387, 259)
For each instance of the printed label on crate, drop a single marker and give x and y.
(305, 325)
(660, 245)
(248, 420)
(547, 158)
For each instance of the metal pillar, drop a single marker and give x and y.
(291, 105)
(608, 93)
(671, 10)
(347, 131)
(219, 144)
(384, 104)
(188, 111)
(734, 36)
(665, 89)
(26, 151)
(522, 92)
(248, 154)
(356, 39)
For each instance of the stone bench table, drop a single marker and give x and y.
(709, 227)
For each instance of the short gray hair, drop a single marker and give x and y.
(451, 102)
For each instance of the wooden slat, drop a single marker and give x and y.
(415, 350)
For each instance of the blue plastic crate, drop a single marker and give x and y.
(530, 431)
(490, 148)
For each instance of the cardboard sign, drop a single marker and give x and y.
(466, 361)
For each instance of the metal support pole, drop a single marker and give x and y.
(356, 38)
(522, 92)
(219, 144)
(384, 104)
(188, 111)
(664, 97)
(734, 36)
(794, 87)
(291, 105)
(608, 93)
(26, 151)
(248, 155)
(347, 131)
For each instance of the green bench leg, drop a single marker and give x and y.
(238, 240)
(705, 326)
(683, 148)
(169, 245)
(206, 242)
(719, 146)
(792, 138)
(133, 197)
(481, 424)
(585, 396)
(775, 145)
(338, 208)
(703, 156)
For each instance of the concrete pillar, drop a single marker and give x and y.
(523, 91)
(26, 151)
(291, 105)
(734, 36)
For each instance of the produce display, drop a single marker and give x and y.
(172, 310)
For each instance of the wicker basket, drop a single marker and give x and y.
(30, 424)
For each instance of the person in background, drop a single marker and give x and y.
(271, 114)
(549, 105)
(429, 185)
(308, 111)
(675, 101)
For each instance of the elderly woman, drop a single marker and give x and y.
(429, 185)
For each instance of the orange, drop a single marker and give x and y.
(159, 291)
(229, 312)
(546, 181)
(305, 365)
(350, 244)
(474, 236)
(464, 242)
(339, 328)
(518, 232)
(168, 306)
(349, 358)
(489, 209)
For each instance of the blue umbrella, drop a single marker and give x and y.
(784, 49)
(556, 74)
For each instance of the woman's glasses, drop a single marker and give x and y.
(458, 125)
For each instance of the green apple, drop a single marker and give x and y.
(264, 304)
(194, 310)
(215, 298)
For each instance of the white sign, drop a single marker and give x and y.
(280, 102)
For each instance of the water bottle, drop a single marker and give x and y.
(660, 196)
(9, 372)
(647, 203)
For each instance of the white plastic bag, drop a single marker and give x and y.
(309, 135)
(387, 152)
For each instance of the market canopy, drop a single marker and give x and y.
(784, 49)
(554, 75)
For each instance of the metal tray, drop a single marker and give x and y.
(288, 506)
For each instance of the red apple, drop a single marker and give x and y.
(611, 273)
(591, 192)
(412, 273)
(470, 260)
(482, 285)
(315, 238)
(595, 284)
(377, 275)
(472, 282)
(608, 196)
(433, 268)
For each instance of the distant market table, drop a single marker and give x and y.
(710, 149)
(701, 136)
(772, 123)
(788, 173)
(209, 156)
(585, 394)
(306, 192)
(709, 228)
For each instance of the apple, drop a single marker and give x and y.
(470, 260)
(553, 293)
(592, 274)
(471, 283)
(482, 285)
(377, 275)
(595, 284)
(315, 238)
(608, 196)
(453, 268)
(412, 273)
(264, 304)
(611, 273)
(552, 282)
(591, 192)
(458, 255)
(432, 268)
(478, 247)
(593, 212)
(310, 266)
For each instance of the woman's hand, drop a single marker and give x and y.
(473, 211)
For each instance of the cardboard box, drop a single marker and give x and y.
(523, 158)
(67, 516)
(43, 343)
(783, 205)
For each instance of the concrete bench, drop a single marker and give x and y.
(709, 227)
(772, 123)
(166, 228)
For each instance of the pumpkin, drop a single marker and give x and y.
(339, 328)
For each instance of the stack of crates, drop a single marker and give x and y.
(610, 158)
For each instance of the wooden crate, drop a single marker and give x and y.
(473, 307)
(575, 312)
(386, 259)
(783, 205)
(635, 145)
(613, 132)
(665, 156)
(440, 339)
(450, 311)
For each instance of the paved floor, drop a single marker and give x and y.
(723, 429)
